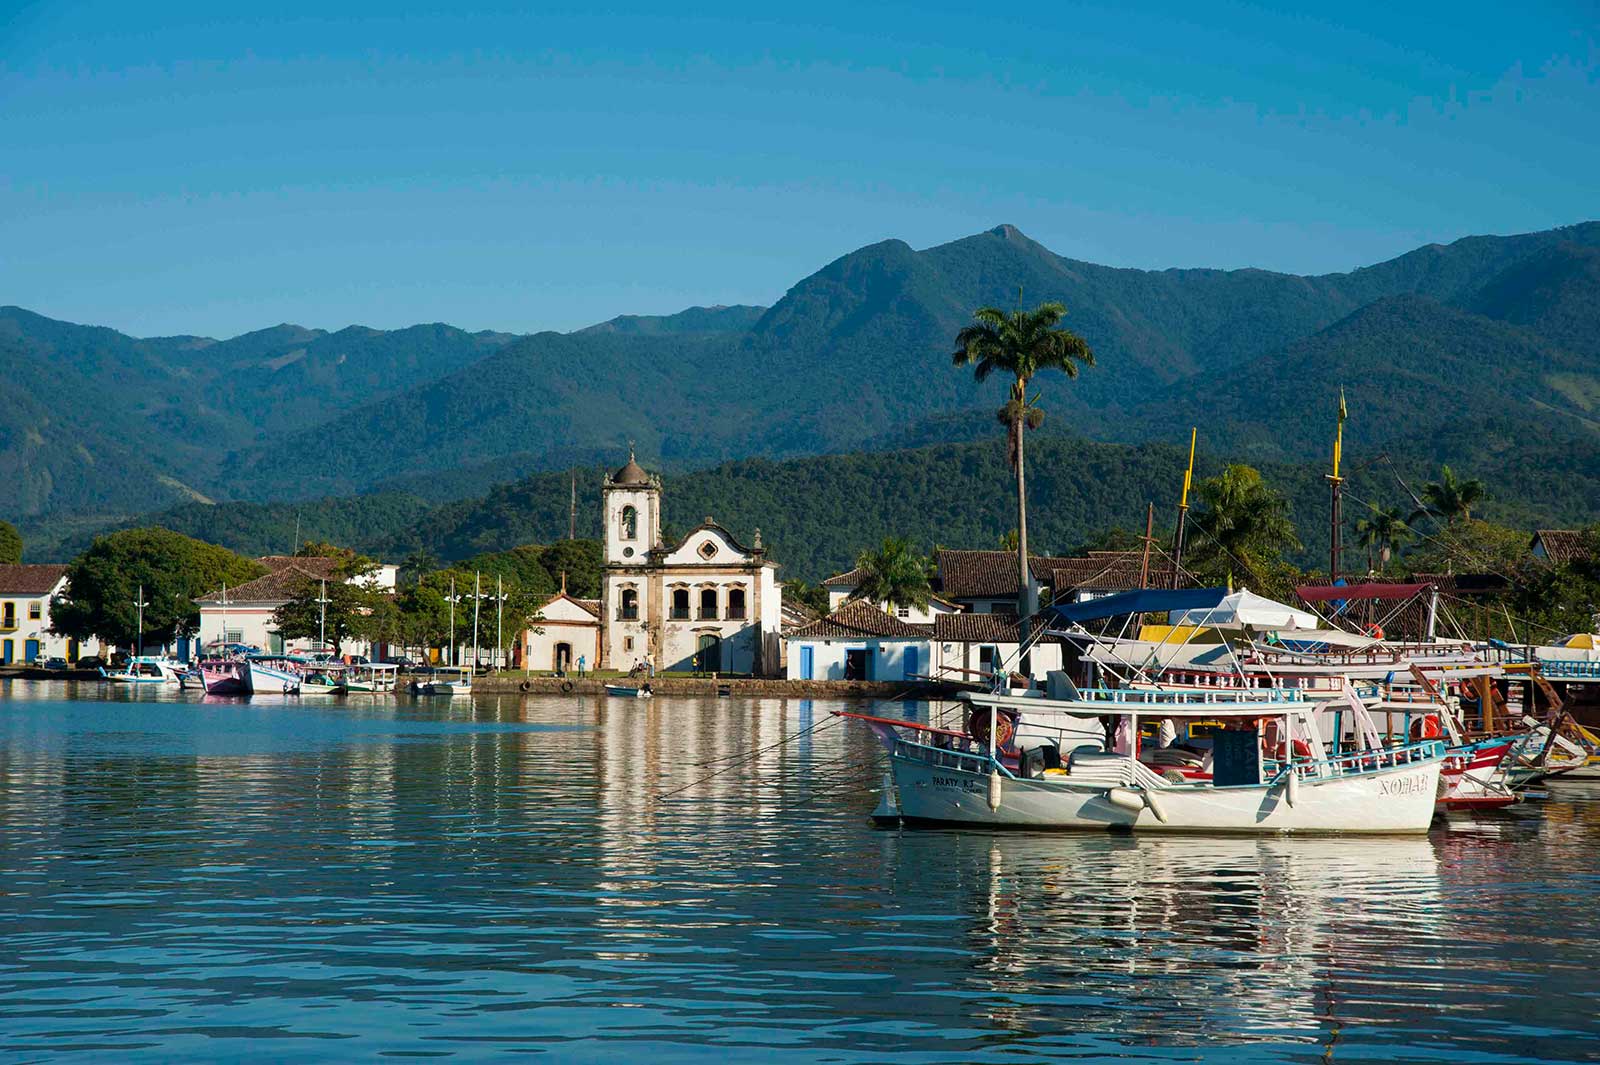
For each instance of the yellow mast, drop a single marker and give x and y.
(1334, 483)
(1183, 512)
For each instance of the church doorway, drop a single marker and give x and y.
(708, 657)
(563, 661)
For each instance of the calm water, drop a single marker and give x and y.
(302, 881)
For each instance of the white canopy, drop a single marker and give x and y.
(1246, 608)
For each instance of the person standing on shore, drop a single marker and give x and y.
(582, 663)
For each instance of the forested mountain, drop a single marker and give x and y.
(853, 357)
(816, 514)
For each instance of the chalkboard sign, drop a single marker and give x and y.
(1235, 759)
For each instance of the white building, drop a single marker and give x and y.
(859, 642)
(243, 614)
(569, 629)
(25, 636)
(708, 603)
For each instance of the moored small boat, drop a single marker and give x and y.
(629, 691)
(374, 679)
(223, 676)
(274, 674)
(144, 669)
(446, 680)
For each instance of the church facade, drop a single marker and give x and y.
(708, 603)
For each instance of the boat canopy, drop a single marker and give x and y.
(1246, 608)
(1141, 601)
(1322, 593)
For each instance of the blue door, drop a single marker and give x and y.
(30, 651)
(911, 663)
(808, 661)
(7, 652)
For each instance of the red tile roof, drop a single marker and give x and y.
(859, 619)
(848, 579)
(1563, 545)
(30, 579)
(987, 574)
(279, 586)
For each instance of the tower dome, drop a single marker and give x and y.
(632, 473)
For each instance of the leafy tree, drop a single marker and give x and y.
(103, 586)
(580, 560)
(1384, 529)
(1245, 528)
(1022, 344)
(1472, 546)
(1009, 540)
(10, 543)
(350, 611)
(813, 596)
(1562, 598)
(418, 563)
(896, 573)
(1449, 499)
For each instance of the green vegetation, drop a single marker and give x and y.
(1384, 529)
(103, 586)
(1243, 532)
(896, 573)
(10, 543)
(1449, 499)
(335, 610)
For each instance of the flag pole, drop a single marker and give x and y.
(1183, 512)
(1335, 484)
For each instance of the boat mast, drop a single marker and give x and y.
(1183, 511)
(477, 600)
(140, 604)
(499, 617)
(1149, 538)
(1335, 483)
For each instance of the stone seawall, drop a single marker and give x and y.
(802, 689)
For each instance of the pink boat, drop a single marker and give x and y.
(223, 676)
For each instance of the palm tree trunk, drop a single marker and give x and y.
(1027, 601)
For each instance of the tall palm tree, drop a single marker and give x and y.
(1449, 498)
(1384, 529)
(896, 573)
(1022, 344)
(1245, 522)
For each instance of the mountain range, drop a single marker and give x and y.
(1475, 353)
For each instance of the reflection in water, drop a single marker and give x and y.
(606, 879)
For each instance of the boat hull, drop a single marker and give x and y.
(265, 680)
(227, 680)
(1388, 802)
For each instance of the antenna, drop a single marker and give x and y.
(572, 510)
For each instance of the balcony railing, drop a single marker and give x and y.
(679, 613)
(628, 613)
(708, 615)
(736, 613)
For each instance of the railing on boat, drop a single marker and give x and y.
(1568, 668)
(1356, 763)
(1179, 697)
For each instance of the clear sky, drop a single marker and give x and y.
(171, 168)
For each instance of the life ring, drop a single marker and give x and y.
(566, 687)
(1426, 728)
(1301, 749)
(1374, 630)
(526, 686)
(1005, 731)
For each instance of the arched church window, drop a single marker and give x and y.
(735, 602)
(630, 523)
(630, 605)
(708, 602)
(680, 604)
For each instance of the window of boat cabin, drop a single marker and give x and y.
(630, 523)
(736, 602)
(680, 604)
(708, 603)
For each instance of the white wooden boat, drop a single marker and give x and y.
(144, 669)
(446, 680)
(374, 678)
(629, 691)
(322, 678)
(274, 674)
(1272, 775)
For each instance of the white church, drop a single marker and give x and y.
(707, 604)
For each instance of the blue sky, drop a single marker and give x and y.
(168, 168)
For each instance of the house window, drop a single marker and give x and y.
(680, 604)
(708, 604)
(630, 605)
(233, 636)
(8, 616)
(627, 644)
(735, 602)
(630, 523)
(33, 611)
(903, 612)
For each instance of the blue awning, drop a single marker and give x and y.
(1143, 601)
